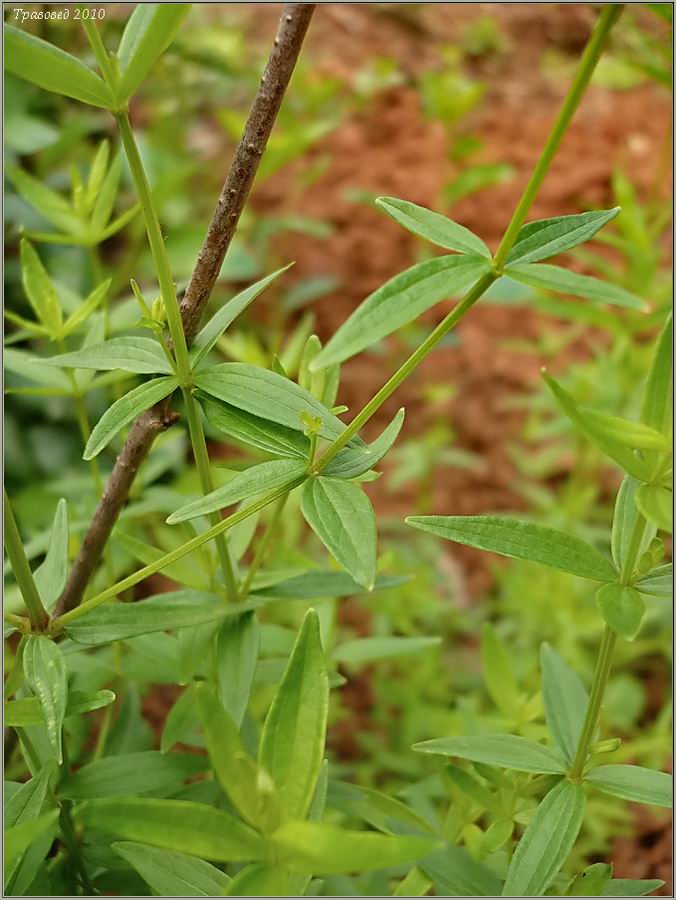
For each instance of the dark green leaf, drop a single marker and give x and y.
(132, 354)
(563, 281)
(399, 301)
(548, 237)
(508, 751)
(342, 517)
(147, 34)
(442, 231)
(565, 701)
(182, 719)
(237, 645)
(45, 672)
(52, 206)
(520, 540)
(633, 783)
(172, 874)
(293, 736)
(131, 773)
(622, 608)
(546, 842)
(352, 462)
(456, 874)
(315, 585)
(181, 825)
(44, 64)
(253, 430)
(124, 410)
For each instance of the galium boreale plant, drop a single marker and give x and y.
(249, 817)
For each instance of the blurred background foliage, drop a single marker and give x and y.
(443, 105)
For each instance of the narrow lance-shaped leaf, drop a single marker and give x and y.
(342, 517)
(315, 585)
(221, 320)
(182, 719)
(656, 406)
(659, 583)
(47, 202)
(254, 431)
(546, 842)
(625, 515)
(52, 69)
(147, 34)
(193, 828)
(127, 774)
(365, 650)
(563, 281)
(25, 805)
(521, 540)
(45, 672)
(350, 463)
(39, 289)
(547, 237)
(434, 227)
(508, 751)
(267, 395)
(498, 673)
(20, 837)
(634, 783)
(622, 608)
(172, 874)
(400, 301)
(632, 887)
(292, 741)
(124, 410)
(132, 354)
(28, 711)
(86, 309)
(656, 503)
(456, 874)
(50, 576)
(255, 480)
(565, 701)
(237, 645)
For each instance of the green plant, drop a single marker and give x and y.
(261, 804)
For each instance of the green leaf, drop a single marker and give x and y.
(588, 424)
(214, 328)
(342, 517)
(124, 410)
(622, 609)
(563, 281)
(591, 882)
(656, 503)
(633, 783)
(565, 701)
(105, 199)
(548, 237)
(546, 842)
(267, 476)
(456, 874)
(147, 34)
(498, 673)
(261, 880)
(625, 515)
(366, 650)
(656, 405)
(46, 201)
(632, 887)
(350, 463)
(319, 848)
(182, 719)
(293, 736)
(316, 585)
(172, 874)
(179, 609)
(39, 289)
(267, 395)
(381, 811)
(97, 173)
(508, 751)
(398, 302)
(132, 354)
(54, 70)
(631, 434)
(28, 711)
(181, 825)
(20, 837)
(237, 644)
(253, 431)
(520, 540)
(25, 805)
(45, 672)
(85, 309)
(659, 583)
(442, 231)
(131, 773)
(50, 576)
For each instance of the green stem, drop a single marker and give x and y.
(590, 58)
(601, 674)
(157, 248)
(174, 555)
(262, 548)
(70, 840)
(22, 571)
(633, 550)
(199, 446)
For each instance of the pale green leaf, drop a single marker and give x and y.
(131, 774)
(656, 503)
(370, 649)
(432, 226)
(182, 719)
(47, 202)
(54, 70)
(147, 34)
(261, 880)
(565, 701)
(633, 783)
(315, 585)
(546, 842)
(622, 609)
(293, 736)
(625, 515)
(173, 874)
(50, 576)
(132, 354)
(45, 672)
(508, 751)
(39, 289)
(498, 672)
(563, 281)
(86, 308)
(659, 583)
(456, 874)
(632, 887)
(352, 462)
(342, 517)
(656, 406)
(124, 410)
(27, 710)
(97, 173)
(105, 199)
(236, 655)
(548, 237)
(520, 540)
(398, 302)
(20, 837)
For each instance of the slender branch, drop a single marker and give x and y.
(283, 57)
